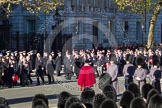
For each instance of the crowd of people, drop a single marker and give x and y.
(16, 66)
(133, 64)
(136, 65)
(149, 97)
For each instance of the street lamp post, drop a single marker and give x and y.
(145, 20)
(124, 29)
(45, 31)
(56, 17)
(143, 33)
(17, 38)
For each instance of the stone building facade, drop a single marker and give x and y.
(86, 23)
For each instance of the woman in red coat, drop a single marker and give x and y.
(86, 76)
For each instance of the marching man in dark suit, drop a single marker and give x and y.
(68, 66)
(58, 62)
(39, 70)
(29, 68)
(50, 69)
(24, 72)
(77, 65)
(100, 63)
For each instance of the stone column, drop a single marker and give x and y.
(86, 5)
(68, 4)
(102, 4)
(74, 4)
(91, 5)
(97, 3)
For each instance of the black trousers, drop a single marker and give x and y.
(68, 76)
(128, 80)
(42, 78)
(29, 78)
(50, 77)
(58, 73)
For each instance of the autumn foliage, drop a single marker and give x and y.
(143, 7)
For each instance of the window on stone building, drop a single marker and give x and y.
(161, 32)
(31, 26)
(105, 3)
(109, 3)
(138, 30)
(81, 2)
(4, 22)
(95, 32)
(89, 1)
(94, 2)
(77, 2)
(111, 29)
(73, 4)
(89, 4)
(80, 30)
(125, 28)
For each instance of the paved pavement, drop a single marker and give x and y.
(21, 97)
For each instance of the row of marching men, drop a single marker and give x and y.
(137, 74)
(16, 66)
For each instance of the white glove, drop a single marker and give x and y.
(137, 78)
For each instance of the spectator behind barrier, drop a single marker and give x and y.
(108, 103)
(87, 95)
(39, 103)
(40, 96)
(3, 101)
(88, 105)
(155, 101)
(76, 105)
(134, 88)
(64, 95)
(151, 93)
(71, 100)
(110, 92)
(97, 100)
(138, 103)
(145, 89)
(126, 99)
